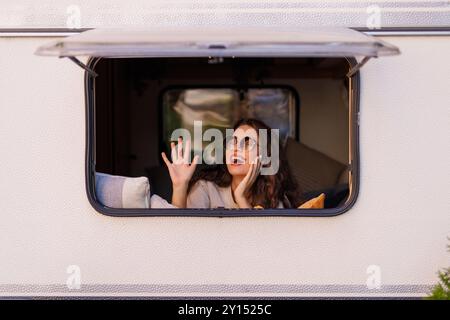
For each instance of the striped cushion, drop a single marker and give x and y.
(122, 192)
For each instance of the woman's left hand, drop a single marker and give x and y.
(246, 183)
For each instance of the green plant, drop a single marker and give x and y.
(441, 291)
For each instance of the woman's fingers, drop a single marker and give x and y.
(255, 171)
(195, 161)
(249, 173)
(180, 148)
(187, 151)
(258, 169)
(246, 180)
(166, 160)
(173, 151)
(180, 156)
(191, 168)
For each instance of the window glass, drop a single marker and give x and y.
(220, 108)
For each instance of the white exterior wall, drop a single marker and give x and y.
(400, 221)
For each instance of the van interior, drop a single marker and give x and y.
(139, 101)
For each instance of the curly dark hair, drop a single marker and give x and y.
(267, 190)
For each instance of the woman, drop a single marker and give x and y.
(236, 183)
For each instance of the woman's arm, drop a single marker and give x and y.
(180, 171)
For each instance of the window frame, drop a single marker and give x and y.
(354, 166)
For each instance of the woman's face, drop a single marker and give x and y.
(241, 150)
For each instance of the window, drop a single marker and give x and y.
(140, 102)
(142, 84)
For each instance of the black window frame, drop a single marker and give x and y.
(354, 167)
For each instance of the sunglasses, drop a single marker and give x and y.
(247, 143)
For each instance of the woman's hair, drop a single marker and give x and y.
(267, 190)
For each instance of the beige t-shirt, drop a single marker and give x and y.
(208, 195)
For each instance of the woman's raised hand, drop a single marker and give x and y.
(246, 183)
(179, 169)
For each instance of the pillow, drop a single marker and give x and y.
(122, 192)
(314, 203)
